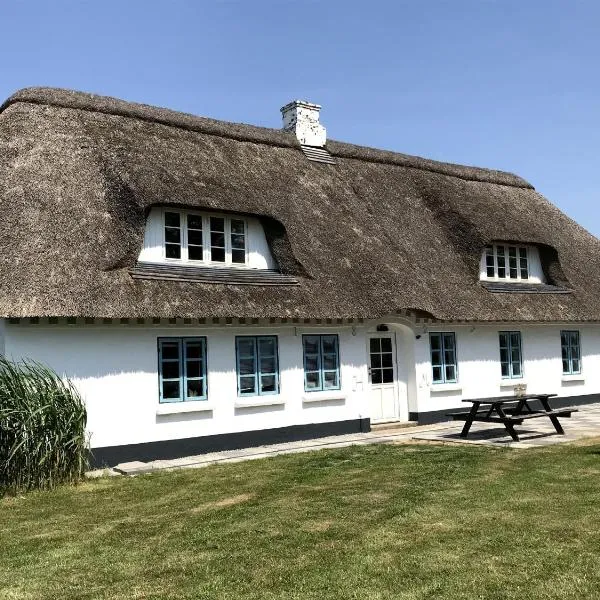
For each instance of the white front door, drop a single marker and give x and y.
(382, 376)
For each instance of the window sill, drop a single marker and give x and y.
(511, 383)
(323, 397)
(445, 387)
(173, 408)
(579, 377)
(273, 401)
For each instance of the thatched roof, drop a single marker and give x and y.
(375, 233)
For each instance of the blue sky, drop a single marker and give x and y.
(507, 84)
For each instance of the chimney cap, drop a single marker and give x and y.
(298, 103)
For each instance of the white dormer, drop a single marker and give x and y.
(511, 263)
(196, 238)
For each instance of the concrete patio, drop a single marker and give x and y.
(582, 424)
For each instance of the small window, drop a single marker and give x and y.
(257, 365)
(570, 346)
(199, 238)
(511, 359)
(182, 369)
(443, 357)
(506, 262)
(321, 362)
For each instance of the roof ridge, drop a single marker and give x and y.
(65, 98)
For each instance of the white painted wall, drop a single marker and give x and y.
(258, 257)
(479, 364)
(116, 369)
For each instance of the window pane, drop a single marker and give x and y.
(238, 242)
(238, 256)
(217, 224)
(435, 341)
(330, 362)
(217, 254)
(503, 355)
(388, 375)
(512, 261)
(515, 354)
(266, 346)
(245, 346)
(193, 368)
(172, 235)
(267, 364)
(566, 368)
(329, 344)
(376, 376)
(311, 363)
(217, 240)
(193, 349)
(503, 339)
(376, 361)
(375, 344)
(195, 388)
(195, 237)
(330, 379)
(247, 366)
(237, 226)
(194, 222)
(515, 339)
(386, 344)
(504, 369)
(172, 219)
(311, 344)
(565, 352)
(170, 370)
(489, 261)
(576, 365)
(437, 374)
(170, 350)
(436, 357)
(450, 373)
(247, 385)
(516, 369)
(172, 251)
(386, 360)
(170, 390)
(195, 253)
(313, 380)
(267, 383)
(449, 341)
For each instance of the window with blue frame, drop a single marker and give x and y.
(511, 358)
(257, 365)
(321, 362)
(182, 369)
(570, 346)
(443, 357)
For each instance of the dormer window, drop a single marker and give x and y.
(511, 263)
(506, 262)
(202, 238)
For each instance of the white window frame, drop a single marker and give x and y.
(206, 254)
(506, 255)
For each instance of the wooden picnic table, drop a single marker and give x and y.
(496, 411)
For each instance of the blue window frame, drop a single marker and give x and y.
(182, 369)
(570, 346)
(321, 362)
(511, 358)
(443, 357)
(257, 365)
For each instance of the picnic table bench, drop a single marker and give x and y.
(510, 411)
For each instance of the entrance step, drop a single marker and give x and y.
(392, 426)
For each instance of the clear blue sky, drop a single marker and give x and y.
(507, 84)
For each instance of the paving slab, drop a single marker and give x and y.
(585, 423)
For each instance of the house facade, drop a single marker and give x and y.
(210, 285)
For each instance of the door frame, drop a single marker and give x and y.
(379, 334)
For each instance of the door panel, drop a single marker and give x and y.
(382, 376)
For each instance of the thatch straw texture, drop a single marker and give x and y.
(375, 233)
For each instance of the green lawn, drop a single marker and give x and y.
(370, 522)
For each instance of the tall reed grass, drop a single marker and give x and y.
(42, 428)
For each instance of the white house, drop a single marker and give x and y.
(211, 285)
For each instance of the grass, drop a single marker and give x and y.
(375, 522)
